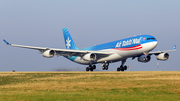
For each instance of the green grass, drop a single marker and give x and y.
(87, 86)
(90, 95)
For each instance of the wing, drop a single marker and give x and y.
(65, 52)
(159, 52)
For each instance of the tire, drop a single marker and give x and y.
(106, 67)
(118, 69)
(103, 68)
(122, 68)
(91, 68)
(87, 69)
(125, 67)
(94, 66)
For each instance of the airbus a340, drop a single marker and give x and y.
(139, 47)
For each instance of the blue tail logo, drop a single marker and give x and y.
(69, 43)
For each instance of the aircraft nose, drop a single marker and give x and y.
(155, 43)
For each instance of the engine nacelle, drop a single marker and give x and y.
(90, 57)
(163, 56)
(144, 59)
(49, 53)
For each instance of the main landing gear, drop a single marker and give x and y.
(105, 66)
(122, 68)
(91, 68)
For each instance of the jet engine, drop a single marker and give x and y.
(163, 56)
(49, 53)
(90, 57)
(144, 59)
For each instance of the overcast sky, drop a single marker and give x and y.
(90, 22)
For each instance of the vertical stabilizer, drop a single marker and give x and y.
(174, 47)
(69, 43)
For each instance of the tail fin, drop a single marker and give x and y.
(69, 43)
(174, 47)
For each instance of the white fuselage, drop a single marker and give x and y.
(120, 55)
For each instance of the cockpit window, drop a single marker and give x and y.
(151, 39)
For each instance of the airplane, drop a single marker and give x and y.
(139, 47)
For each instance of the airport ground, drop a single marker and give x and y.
(90, 86)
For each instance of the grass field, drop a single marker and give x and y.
(90, 86)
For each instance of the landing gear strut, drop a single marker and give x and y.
(122, 68)
(91, 68)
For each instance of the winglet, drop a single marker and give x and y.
(174, 47)
(6, 42)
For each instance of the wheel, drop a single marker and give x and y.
(94, 66)
(125, 67)
(106, 67)
(118, 69)
(91, 68)
(122, 68)
(87, 69)
(103, 67)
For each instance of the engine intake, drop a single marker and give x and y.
(144, 59)
(90, 57)
(49, 53)
(163, 56)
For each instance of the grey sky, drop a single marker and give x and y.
(40, 23)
